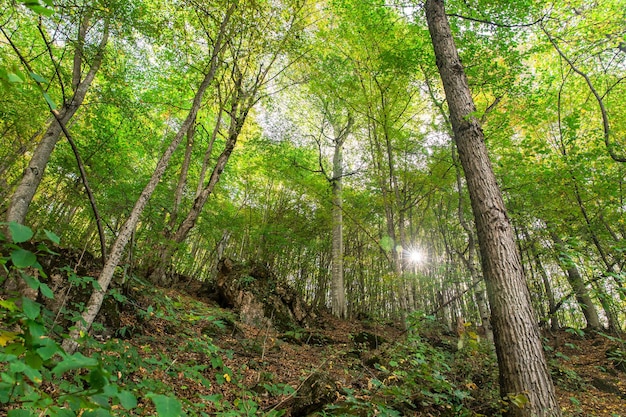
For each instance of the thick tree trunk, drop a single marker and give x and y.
(470, 264)
(522, 364)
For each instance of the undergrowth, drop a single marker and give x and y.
(415, 377)
(165, 361)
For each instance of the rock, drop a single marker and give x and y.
(316, 391)
(261, 298)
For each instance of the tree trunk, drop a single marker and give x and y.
(95, 301)
(479, 293)
(182, 179)
(554, 321)
(522, 364)
(578, 286)
(338, 306)
(33, 174)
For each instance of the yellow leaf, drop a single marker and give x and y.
(6, 337)
(227, 377)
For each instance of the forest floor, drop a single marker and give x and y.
(256, 370)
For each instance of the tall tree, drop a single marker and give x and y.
(95, 301)
(83, 74)
(255, 59)
(522, 364)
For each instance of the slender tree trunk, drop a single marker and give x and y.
(95, 301)
(522, 364)
(609, 308)
(25, 191)
(554, 321)
(182, 179)
(580, 290)
(338, 306)
(208, 152)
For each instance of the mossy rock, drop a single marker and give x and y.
(261, 298)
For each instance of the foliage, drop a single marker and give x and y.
(416, 376)
(30, 360)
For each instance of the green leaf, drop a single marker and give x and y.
(17, 367)
(166, 406)
(30, 280)
(33, 374)
(37, 77)
(51, 102)
(20, 413)
(127, 399)
(46, 291)
(36, 329)
(9, 305)
(62, 412)
(101, 400)
(39, 9)
(47, 348)
(33, 360)
(97, 379)
(52, 236)
(19, 232)
(31, 308)
(14, 78)
(75, 361)
(23, 258)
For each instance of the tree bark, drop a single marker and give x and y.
(33, 174)
(479, 293)
(338, 307)
(522, 364)
(580, 290)
(182, 179)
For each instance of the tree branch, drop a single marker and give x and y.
(598, 97)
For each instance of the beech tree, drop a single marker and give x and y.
(95, 302)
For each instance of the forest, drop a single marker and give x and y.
(209, 207)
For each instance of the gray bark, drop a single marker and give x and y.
(33, 174)
(580, 290)
(338, 306)
(522, 364)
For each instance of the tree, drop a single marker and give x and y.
(254, 58)
(522, 364)
(88, 20)
(95, 301)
